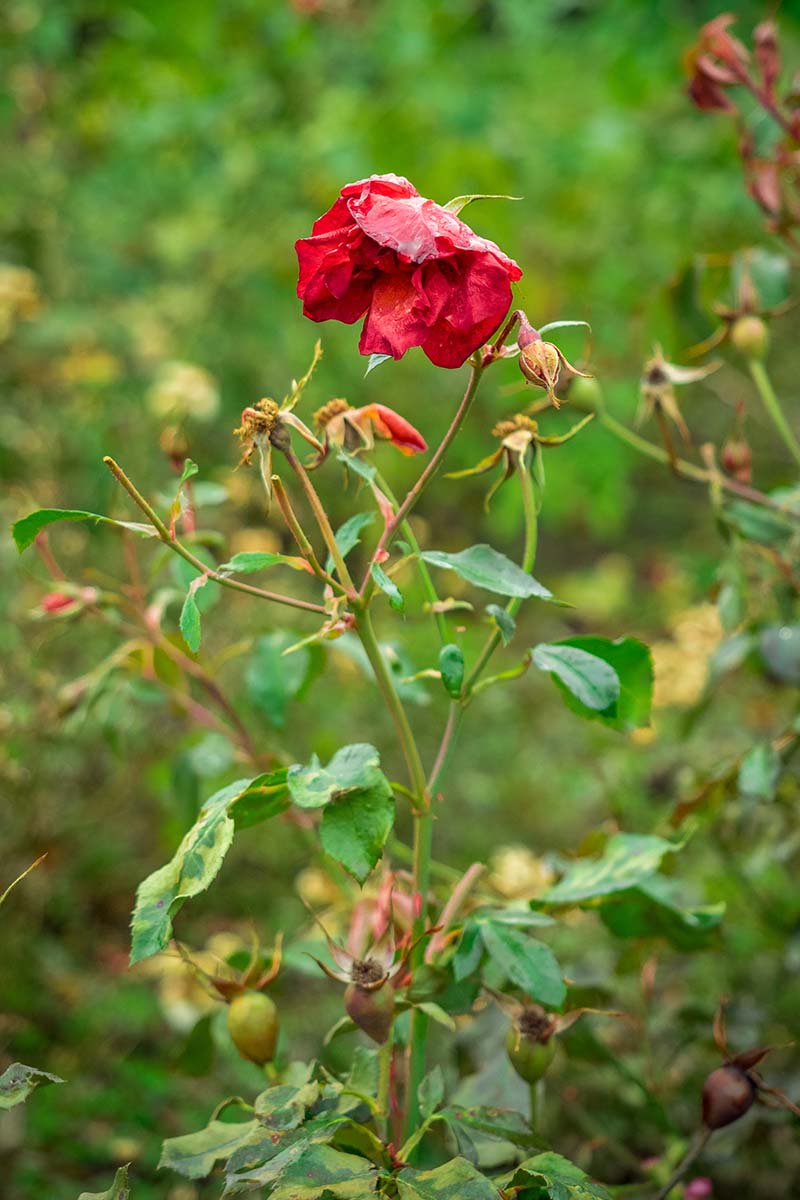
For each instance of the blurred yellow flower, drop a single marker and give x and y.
(19, 297)
(681, 663)
(182, 389)
(517, 874)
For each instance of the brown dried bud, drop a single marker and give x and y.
(737, 459)
(728, 1093)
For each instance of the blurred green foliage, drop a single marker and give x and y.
(158, 163)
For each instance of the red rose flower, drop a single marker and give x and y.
(421, 276)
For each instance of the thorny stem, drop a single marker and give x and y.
(433, 466)
(164, 534)
(773, 406)
(694, 1152)
(321, 517)
(422, 567)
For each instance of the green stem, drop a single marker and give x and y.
(427, 475)
(534, 1101)
(321, 517)
(384, 1081)
(693, 1153)
(688, 470)
(383, 677)
(165, 536)
(422, 567)
(528, 560)
(773, 406)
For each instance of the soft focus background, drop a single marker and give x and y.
(158, 163)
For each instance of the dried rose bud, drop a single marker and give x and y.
(737, 459)
(540, 361)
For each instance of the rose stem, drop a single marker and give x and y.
(773, 407)
(421, 565)
(164, 534)
(298, 533)
(321, 517)
(694, 1151)
(688, 470)
(416, 491)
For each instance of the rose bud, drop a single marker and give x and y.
(531, 1044)
(737, 459)
(370, 995)
(540, 361)
(730, 1091)
(253, 1026)
(531, 1039)
(750, 336)
(252, 1016)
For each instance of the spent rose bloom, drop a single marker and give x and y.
(418, 273)
(355, 429)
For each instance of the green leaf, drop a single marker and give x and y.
(18, 1081)
(504, 622)
(548, 1176)
(563, 325)
(388, 586)
(351, 769)
(323, 1171)
(248, 561)
(501, 1123)
(348, 535)
(651, 910)
(284, 1107)
(430, 1093)
(274, 679)
(26, 530)
(588, 678)
(375, 360)
(487, 568)
(119, 1189)
(631, 661)
(527, 962)
(198, 859)
(264, 797)
(460, 202)
(364, 470)
(759, 772)
(454, 1180)
(271, 1152)
(757, 524)
(355, 827)
(193, 1155)
(190, 615)
(627, 859)
(451, 665)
